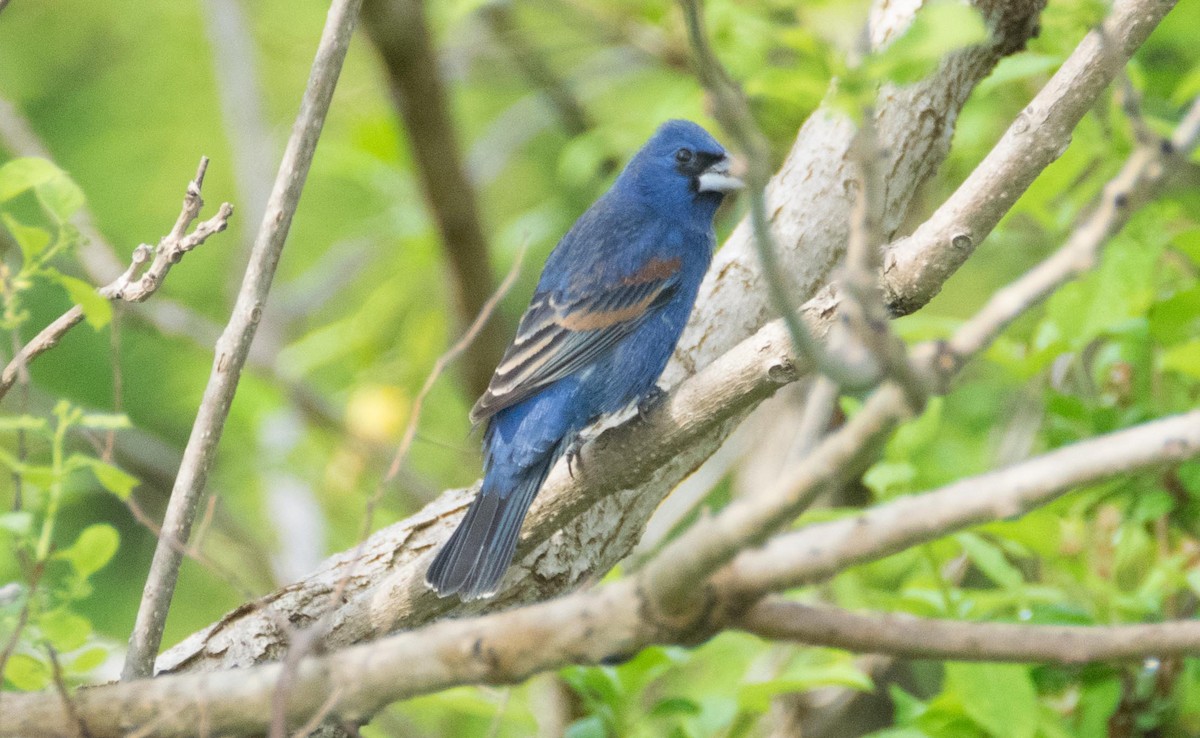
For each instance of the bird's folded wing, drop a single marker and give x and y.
(561, 335)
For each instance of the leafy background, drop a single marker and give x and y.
(124, 95)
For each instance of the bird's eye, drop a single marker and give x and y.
(683, 156)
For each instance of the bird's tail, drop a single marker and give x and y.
(474, 559)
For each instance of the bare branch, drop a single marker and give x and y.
(1134, 184)
(925, 638)
(917, 266)
(96, 254)
(234, 345)
(68, 704)
(131, 287)
(170, 250)
(820, 551)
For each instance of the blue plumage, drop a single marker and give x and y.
(610, 305)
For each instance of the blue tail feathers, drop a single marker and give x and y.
(474, 559)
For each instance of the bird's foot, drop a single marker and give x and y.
(574, 454)
(652, 399)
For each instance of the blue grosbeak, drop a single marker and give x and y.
(610, 305)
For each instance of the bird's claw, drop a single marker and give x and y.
(650, 400)
(574, 455)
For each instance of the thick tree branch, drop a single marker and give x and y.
(234, 344)
(399, 31)
(169, 251)
(594, 625)
(923, 638)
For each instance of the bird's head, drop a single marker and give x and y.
(681, 170)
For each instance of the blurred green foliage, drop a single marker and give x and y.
(125, 96)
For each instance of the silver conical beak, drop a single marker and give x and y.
(719, 178)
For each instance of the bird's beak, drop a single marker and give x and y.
(721, 176)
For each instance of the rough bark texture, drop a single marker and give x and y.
(600, 530)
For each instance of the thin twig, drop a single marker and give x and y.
(821, 550)
(234, 345)
(571, 114)
(928, 638)
(319, 716)
(134, 285)
(1138, 180)
(864, 310)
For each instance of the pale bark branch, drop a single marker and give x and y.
(820, 551)
(169, 251)
(927, 638)
(594, 625)
(234, 344)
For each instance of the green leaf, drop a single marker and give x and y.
(65, 630)
(1183, 359)
(96, 308)
(1000, 698)
(92, 550)
(990, 560)
(756, 697)
(21, 422)
(589, 727)
(60, 196)
(23, 174)
(106, 421)
(27, 673)
(674, 706)
(1098, 701)
(18, 523)
(119, 482)
(599, 683)
(88, 660)
(55, 190)
(31, 239)
(887, 478)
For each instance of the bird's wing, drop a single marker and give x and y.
(562, 334)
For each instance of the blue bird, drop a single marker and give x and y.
(609, 307)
